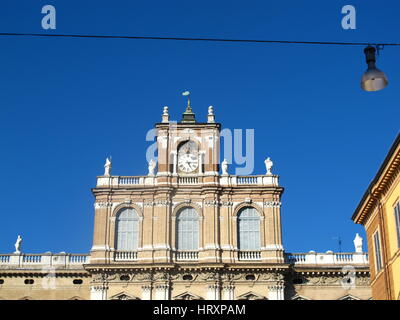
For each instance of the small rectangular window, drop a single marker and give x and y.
(378, 256)
(397, 218)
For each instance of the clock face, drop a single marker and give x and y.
(188, 160)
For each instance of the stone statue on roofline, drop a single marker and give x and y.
(224, 167)
(107, 167)
(268, 165)
(152, 166)
(358, 243)
(18, 245)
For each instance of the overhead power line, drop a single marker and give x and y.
(51, 35)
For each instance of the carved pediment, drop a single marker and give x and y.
(187, 296)
(349, 297)
(300, 297)
(123, 296)
(251, 296)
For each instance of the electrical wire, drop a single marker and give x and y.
(198, 39)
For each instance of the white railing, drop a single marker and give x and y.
(296, 257)
(232, 181)
(151, 181)
(247, 180)
(249, 255)
(78, 258)
(186, 255)
(344, 257)
(31, 258)
(130, 180)
(188, 180)
(328, 258)
(125, 256)
(4, 258)
(59, 260)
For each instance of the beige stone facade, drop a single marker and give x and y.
(219, 268)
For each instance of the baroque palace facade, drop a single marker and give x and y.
(187, 230)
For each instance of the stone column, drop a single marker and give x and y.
(98, 253)
(161, 292)
(228, 292)
(213, 292)
(175, 164)
(146, 292)
(276, 291)
(211, 222)
(201, 155)
(98, 292)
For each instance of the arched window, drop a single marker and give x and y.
(248, 225)
(187, 229)
(127, 229)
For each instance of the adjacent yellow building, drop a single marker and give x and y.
(379, 212)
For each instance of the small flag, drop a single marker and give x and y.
(186, 93)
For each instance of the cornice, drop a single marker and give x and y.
(382, 182)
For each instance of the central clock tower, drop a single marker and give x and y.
(188, 148)
(188, 222)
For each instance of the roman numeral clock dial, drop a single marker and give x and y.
(188, 159)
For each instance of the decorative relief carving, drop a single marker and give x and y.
(199, 204)
(148, 204)
(232, 276)
(162, 203)
(212, 203)
(363, 281)
(226, 203)
(271, 276)
(272, 204)
(330, 279)
(99, 205)
(103, 277)
(161, 276)
(209, 276)
(142, 276)
(323, 280)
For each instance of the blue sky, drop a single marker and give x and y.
(66, 104)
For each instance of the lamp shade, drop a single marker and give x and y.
(373, 79)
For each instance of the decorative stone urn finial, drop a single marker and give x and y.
(268, 165)
(165, 115)
(107, 167)
(210, 116)
(18, 245)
